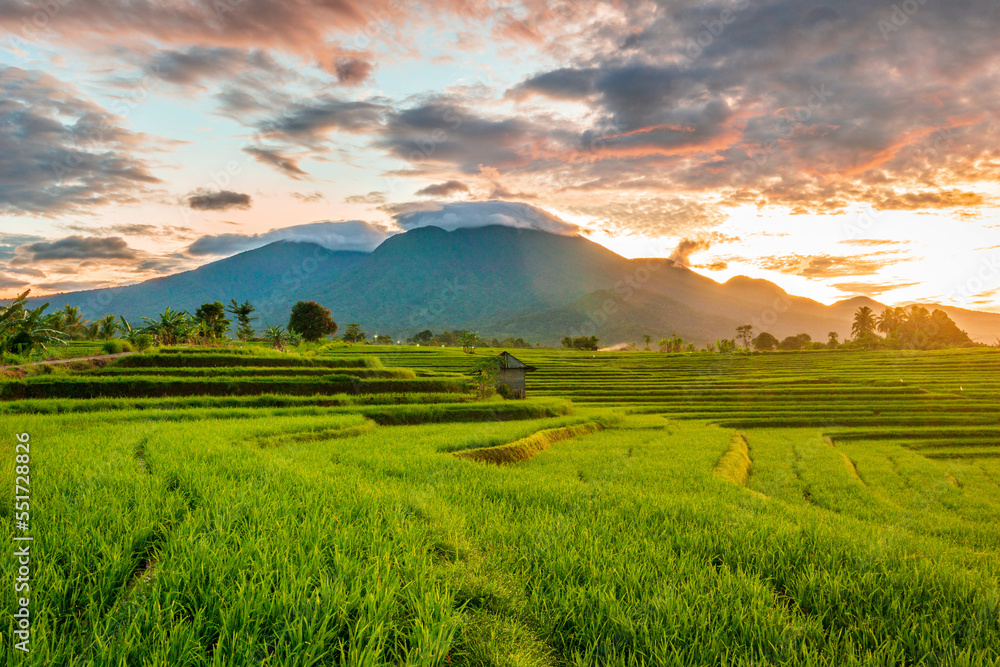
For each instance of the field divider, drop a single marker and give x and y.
(735, 464)
(527, 447)
(277, 439)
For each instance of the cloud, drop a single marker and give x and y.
(31, 272)
(565, 83)
(287, 165)
(370, 198)
(222, 200)
(682, 253)
(652, 216)
(9, 243)
(350, 235)
(11, 282)
(829, 266)
(133, 229)
(352, 71)
(443, 189)
(915, 201)
(790, 103)
(71, 285)
(310, 122)
(75, 248)
(315, 30)
(195, 64)
(462, 215)
(309, 197)
(714, 266)
(871, 289)
(445, 132)
(60, 152)
(873, 242)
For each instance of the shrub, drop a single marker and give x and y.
(506, 392)
(580, 343)
(115, 346)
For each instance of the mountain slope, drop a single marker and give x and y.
(500, 281)
(430, 278)
(272, 277)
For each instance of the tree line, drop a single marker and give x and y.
(24, 330)
(902, 328)
(467, 340)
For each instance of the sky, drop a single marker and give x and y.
(836, 148)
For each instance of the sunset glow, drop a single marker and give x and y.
(836, 149)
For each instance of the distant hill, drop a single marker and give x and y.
(500, 281)
(272, 277)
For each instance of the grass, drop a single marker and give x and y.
(524, 448)
(683, 509)
(174, 386)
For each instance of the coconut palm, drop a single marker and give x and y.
(672, 344)
(890, 321)
(864, 322)
(71, 321)
(107, 327)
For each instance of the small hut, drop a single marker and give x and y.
(512, 373)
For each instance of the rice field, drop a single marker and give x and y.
(362, 506)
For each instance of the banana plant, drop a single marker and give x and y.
(279, 338)
(171, 328)
(23, 330)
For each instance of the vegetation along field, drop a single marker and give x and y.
(249, 507)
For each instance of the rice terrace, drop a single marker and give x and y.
(500, 333)
(637, 508)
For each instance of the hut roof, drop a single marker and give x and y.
(508, 360)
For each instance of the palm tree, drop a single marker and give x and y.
(864, 322)
(889, 320)
(834, 339)
(646, 338)
(107, 327)
(918, 316)
(71, 321)
(673, 344)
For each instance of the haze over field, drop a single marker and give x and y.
(837, 149)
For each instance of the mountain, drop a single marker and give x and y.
(500, 281)
(272, 277)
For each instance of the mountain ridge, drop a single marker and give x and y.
(502, 281)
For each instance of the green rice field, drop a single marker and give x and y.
(362, 505)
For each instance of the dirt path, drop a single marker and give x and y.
(73, 359)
